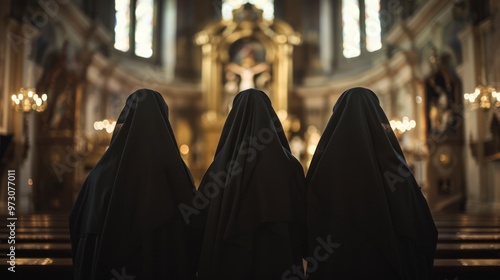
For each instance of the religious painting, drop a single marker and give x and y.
(443, 90)
(59, 82)
(246, 69)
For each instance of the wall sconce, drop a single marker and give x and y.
(28, 100)
(483, 97)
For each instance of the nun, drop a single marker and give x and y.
(255, 216)
(366, 215)
(125, 223)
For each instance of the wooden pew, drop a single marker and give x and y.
(40, 250)
(468, 247)
(468, 250)
(39, 237)
(466, 269)
(469, 230)
(43, 249)
(468, 237)
(36, 230)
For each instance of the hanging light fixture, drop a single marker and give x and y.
(402, 126)
(483, 97)
(108, 126)
(28, 100)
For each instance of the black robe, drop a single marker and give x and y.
(255, 218)
(126, 221)
(363, 201)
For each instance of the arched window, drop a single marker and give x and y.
(134, 27)
(361, 29)
(266, 5)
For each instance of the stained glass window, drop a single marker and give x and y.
(354, 30)
(372, 25)
(122, 26)
(144, 28)
(266, 5)
(351, 28)
(134, 26)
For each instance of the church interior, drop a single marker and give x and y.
(67, 67)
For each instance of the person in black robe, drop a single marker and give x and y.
(363, 201)
(126, 222)
(255, 218)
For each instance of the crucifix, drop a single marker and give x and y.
(248, 67)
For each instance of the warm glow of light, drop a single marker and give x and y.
(184, 149)
(418, 99)
(483, 97)
(210, 116)
(105, 125)
(311, 149)
(110, 127)
(402, 126)
(295, 127)
(27, 100)
(282, 115)
(297, 146)
(313, 140)
(444, 159)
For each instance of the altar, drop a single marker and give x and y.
(247, 51)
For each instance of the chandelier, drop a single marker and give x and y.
(106, 125)
(484, 97)
(28, 100)
(402, 126)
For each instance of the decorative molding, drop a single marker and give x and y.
(384, 70)
(430, 12)
(76, 20)
(123, 79)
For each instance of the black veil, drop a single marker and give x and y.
(362, 195)
(126, 217)
(255, 220)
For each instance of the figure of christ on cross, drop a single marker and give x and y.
(247, 71)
